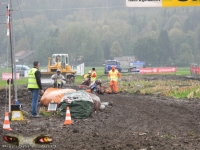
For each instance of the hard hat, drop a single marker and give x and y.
(89, 71)
(58, 70)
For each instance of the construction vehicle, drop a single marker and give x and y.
(109, 63)
(59, 62)
(125, 62)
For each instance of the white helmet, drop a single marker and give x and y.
(89, 71)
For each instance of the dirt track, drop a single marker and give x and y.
(130, 122)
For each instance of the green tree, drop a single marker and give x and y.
(186, 57)
(197, 45)
(165, 49)
(177, 38)
(22, 44)
(171, 22)
(46, 48)
(146, 49)
(115, 50)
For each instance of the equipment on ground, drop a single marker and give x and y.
(52, 106)
(59, 62)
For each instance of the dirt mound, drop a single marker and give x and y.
(129, 122)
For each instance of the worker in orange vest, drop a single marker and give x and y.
(93, 75)
(114, 76)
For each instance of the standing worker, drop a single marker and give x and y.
(93, 75)
(35, 86)
(113, 76)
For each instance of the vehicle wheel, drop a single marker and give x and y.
(72, 79)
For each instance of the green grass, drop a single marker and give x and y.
(183, 71)
(79, 79)
(179, 95)
(21, 81)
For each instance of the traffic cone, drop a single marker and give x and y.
(68, 119)
(6, 124)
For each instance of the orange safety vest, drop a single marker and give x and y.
(113, 75)
(93, 76)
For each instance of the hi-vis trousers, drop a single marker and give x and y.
(114, 86)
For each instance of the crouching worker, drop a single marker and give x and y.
(114, 76)
(58, 79)
(87, 78)
(95, 87)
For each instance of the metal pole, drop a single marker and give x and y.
(13, 57)
(9, 96)
(12, 53)
(10, 36)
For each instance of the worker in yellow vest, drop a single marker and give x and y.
(93, 75)
(35, 86)
(114, 76)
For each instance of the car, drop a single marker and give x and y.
(21, 69)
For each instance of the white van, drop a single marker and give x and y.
(21, 69)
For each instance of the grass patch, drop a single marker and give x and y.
(168, 136)
(43, 111)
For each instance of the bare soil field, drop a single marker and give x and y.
(129, 122)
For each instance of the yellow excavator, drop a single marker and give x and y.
(61, 62)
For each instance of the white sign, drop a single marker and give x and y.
(143, 3)
(25, 73)
(80, 69)
(162, 3)
(16, 114)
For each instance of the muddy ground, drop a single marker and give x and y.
(130, 122)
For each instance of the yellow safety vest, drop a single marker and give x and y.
(32, 83)
(113, 75)
(93, 78)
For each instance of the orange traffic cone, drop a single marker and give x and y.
(6, 124)
(68, 117)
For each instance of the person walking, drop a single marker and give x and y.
(35, 86)
(114, 76)
(93, 75)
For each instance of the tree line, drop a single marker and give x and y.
(94, 31)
